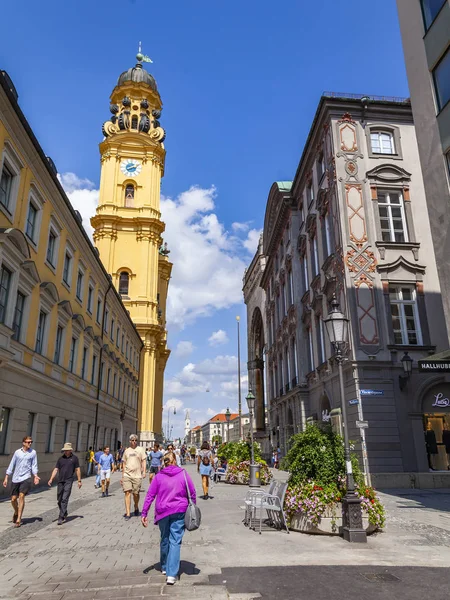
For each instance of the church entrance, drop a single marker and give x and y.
(436, 421)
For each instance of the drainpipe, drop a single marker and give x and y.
(100, 365)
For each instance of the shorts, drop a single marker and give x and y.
(132, 484)
(205, 470)
(154, 470)
(105, 474)
(22, 487)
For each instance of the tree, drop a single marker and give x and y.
(216, 439)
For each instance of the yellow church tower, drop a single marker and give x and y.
(128, 227)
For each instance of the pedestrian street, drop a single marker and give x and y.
(96, 553)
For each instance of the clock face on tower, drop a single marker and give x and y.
(130, 167)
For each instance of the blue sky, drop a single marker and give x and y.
(240, 82)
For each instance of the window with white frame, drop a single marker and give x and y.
(105, 324)
(90, 298)
(54, 235)
(5, 416)
(84, 361)
(391, 210)
(430, 10)
(310, 195)
(118, 336)
(18, 319)
(405, 315)
(320, 339)
(114, 385)
(79, 436)
(382, 142)
(113, 322)
(315, 256)
(10, 167)
(98, 316)
(320, 167)
(50, 434)
(73, 354)
(5, 286)
(40, 333)
(31, 221)
(291, 288)
(311, 365)
(58, 344)
(94, 368)
(326, 236)
(68, 265)
(80, 283)
(108, 380)
(305, 278)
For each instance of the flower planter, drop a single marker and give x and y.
(329, 524)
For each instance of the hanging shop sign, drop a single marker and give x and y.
(434, 366)
(353, 402)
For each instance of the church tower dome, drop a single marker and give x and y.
(137, 74)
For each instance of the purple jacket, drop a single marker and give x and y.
(169, 488)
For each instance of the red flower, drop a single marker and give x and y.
(373, 501)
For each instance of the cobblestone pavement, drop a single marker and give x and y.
(97, 554)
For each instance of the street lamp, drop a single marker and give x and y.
(168, 415)
(254, 480)
(407, 363)
(238, 319)
(352, 526)
(228, 417)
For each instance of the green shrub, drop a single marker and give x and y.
(237, 452)
(317, 454)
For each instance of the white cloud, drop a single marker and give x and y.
(184, 349)
(83, 197)
(238, 227)
(207, 272)
(174, 403)
(251, 243)
(220, 365)
(210, 412)
(209, 262)
(218, 338)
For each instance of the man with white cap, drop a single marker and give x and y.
(66, 466)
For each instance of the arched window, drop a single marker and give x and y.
(382, 142)
(129, 195)
(134, 122)
(124, 281)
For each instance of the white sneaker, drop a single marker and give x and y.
(163, 572)
(171, 580)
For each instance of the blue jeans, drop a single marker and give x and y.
(97, 479)
(89, 470)
(172, 531)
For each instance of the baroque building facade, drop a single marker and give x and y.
(69, 351)
(128, 228)
(352, 223)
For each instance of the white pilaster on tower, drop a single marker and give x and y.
(187, 424)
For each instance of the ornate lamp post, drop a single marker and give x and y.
(337, 328)
(238, 319)
(254, 479)
(168, 415)
(228, 417)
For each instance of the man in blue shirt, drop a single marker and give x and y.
(106, 462)
(22, 467)
(97, 467)
(155, 457)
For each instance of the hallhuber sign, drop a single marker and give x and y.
(434, 366)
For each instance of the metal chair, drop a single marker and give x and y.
(274, 505)
(250, 500)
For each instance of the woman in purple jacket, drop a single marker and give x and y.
(169, 489)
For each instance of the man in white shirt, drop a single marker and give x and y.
(23, 467)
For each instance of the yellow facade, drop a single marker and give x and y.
(128, 228)
(69, 352)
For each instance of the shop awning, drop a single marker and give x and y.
(436, 363)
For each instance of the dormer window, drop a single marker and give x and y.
(129, 195)
(382, 142)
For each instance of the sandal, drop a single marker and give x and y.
(15, 515)
(17, 524)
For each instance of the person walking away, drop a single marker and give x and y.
(66, 467)
(133, 469)
(97, 467)
(178, 456)
(204, 467)
(155, 456)
(106, 465)
(24, 469)
(169, 487)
